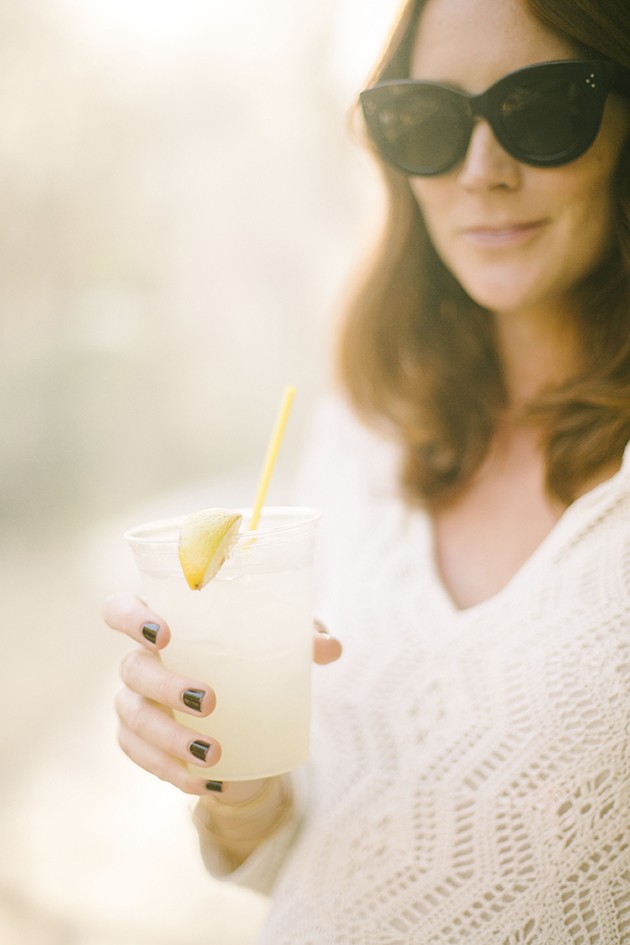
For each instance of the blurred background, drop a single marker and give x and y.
(182, 208)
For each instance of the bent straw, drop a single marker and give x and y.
(272, 454)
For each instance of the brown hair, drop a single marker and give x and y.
(418, 357)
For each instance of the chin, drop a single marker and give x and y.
(500, 301)
(493, 299)
(501, 295)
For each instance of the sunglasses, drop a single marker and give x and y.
(546, 115)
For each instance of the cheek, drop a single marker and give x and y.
(584, 210)
(430, 192)
(438, 204)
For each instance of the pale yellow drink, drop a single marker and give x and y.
(248, 634)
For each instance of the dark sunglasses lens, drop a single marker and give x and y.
(420, 129)
(549, 118)
(545, 115)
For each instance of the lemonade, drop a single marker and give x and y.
(247, 634)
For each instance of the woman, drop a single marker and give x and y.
(471, 768)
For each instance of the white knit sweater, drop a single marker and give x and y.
(470, 782)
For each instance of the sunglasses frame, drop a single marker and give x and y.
(601, 76)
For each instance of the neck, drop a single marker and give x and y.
(537, 350)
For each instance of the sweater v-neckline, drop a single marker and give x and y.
(570, 519)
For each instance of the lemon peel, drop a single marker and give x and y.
(204, 541)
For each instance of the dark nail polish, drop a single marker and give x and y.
(150, 631)
(214, 786)
(199, 750)
(192, 698)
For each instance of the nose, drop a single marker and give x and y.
(487, 165)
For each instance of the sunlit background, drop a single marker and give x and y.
(182, 207)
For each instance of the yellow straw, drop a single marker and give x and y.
(272, 454)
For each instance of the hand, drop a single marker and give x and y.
(148, 733)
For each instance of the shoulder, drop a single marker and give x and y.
(594, 546)
(344, 455)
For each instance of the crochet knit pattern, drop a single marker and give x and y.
(470, 782)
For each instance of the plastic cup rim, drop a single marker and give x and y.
(148, 533)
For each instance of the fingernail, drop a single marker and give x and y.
(214, 786)
(199, 749)
(192, 698)
(150, 631)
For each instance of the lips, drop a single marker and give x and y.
(504, 234)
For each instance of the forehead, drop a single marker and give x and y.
(472, 43)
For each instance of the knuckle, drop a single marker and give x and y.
(120, 703)
(175, 742)
(137, 717)
(132, 710)
(118, 608)
(111, 610)
(134, 666)
(124, 742)
(128, 666)
(163, 770)
(164, 690)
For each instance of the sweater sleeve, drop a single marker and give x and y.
(260, 869)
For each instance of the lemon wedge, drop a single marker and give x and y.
(204, 540)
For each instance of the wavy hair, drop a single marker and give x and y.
(419, 358)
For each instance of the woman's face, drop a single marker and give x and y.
(518, 238)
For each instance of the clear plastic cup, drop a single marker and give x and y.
(248, 634)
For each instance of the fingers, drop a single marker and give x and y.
(144, 674)
(128, 614)
(160, 745)
(160, 764)
(326, 649)
(148, 734)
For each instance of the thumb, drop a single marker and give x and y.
(326, 649)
